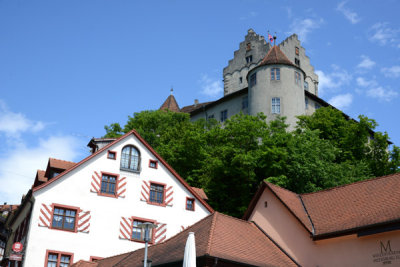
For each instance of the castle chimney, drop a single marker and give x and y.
(196, 102)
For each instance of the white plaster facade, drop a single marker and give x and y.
(74, 188)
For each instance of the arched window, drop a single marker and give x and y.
(130, 158)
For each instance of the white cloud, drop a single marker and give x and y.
(332, 80)
(303, 27)
(341, 101)
(13, 124)
(392, 72)
(211, 87)
(365, 83)
(22, 153)
(366, 63)
(382, 93)
(383, 34)
(18, 167)
(350, 15)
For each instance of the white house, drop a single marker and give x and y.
(93, 208)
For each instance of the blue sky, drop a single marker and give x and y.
(67, 68)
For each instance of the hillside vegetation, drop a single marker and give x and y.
(229, 162)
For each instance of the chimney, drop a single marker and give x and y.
(196, 102)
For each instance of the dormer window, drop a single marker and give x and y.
(111, 154)
(130, 158)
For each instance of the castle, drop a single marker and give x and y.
(277, 80)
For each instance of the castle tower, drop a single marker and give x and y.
(276, 88)
(251, 51)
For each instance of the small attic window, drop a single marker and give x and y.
(111, 154)
(153, 164)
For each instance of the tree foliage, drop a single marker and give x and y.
(231, 160)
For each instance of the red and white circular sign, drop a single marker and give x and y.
(17, 247)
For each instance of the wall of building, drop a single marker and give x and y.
(350, 250)
(103, 239)
(232, 105)
(239, 67)
(291, 94)
(288, 47)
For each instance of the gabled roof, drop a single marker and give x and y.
(160, 159)
(40, 178)
(276, 57)
(58, 164)
(218, 236)
(200, 192)
(170, 104)
(347, 209)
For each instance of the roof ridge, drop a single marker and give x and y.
(62, 160)
(213, 222)
(287, 190)
(345, 185)
(231, 217)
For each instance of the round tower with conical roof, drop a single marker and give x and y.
(276, 88)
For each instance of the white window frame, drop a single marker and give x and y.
(276, 105)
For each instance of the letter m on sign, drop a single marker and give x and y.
(386, 248)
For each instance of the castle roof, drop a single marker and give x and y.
(276, 56)
(170, 104)
(356, 208)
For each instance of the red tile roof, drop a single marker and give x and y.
(365, 203)
(341, 210)
(293, 202)
(219, 236)
(200, 192)
(276, 56)
(82, 263)
(170, 104)
(190, 108)
(60, 164)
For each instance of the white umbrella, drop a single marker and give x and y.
(189, 258)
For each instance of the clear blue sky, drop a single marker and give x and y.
(67, 68)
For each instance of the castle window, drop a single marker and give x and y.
(130, 158)
(276, 105)
(190, 204)
(224, 115)
(297, 61)
(245, 102)
(297, 77)
(306, 86)
(108, 184)
(253, 79)
(64, 219)
(275, 74)
(249, 59)
(306, 101)
(58, 259)
(240, 80)
(156, 193)
(153, 164)
(317, 106)
(297, 51)
(210, 117)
